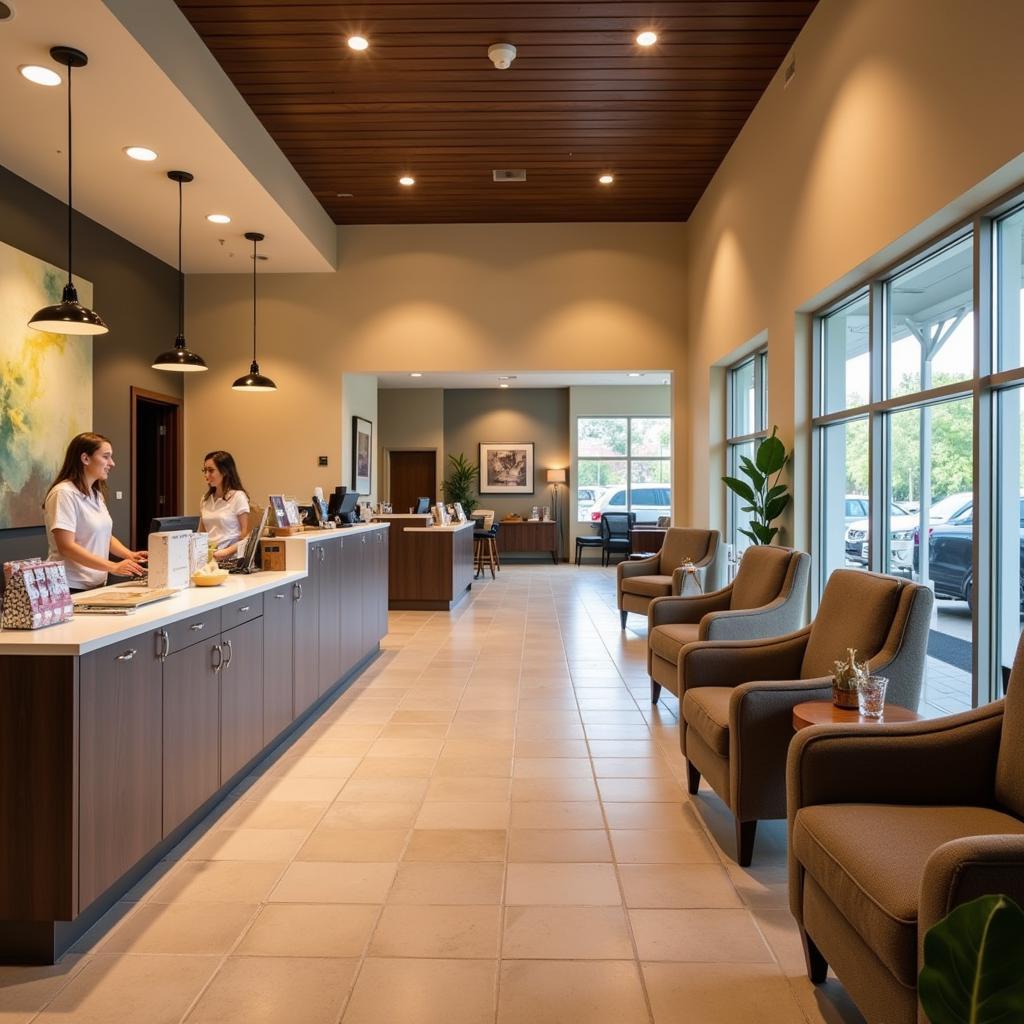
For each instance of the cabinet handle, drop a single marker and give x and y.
(197, 627)
(128, 655)
(164, 645)
(279, 597)
(243, 609)
(297, 591)
(216, 649)
(231, 654)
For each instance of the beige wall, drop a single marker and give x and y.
(901, 118)
(431, 298)
(411, 419)
(359, 398)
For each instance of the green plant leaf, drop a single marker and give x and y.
(972, 964)
(764, 533)
(771, 455)
(774, 492)
(747, 533)
(775, 507)
(739, 487)
(756, 479)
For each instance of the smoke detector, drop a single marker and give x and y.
(501, 55)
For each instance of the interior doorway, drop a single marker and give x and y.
(413, 475)
(157, 452)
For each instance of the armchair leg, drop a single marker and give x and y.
(817, 965)
(622, 617)
(745, 831)
(655, 691)
(692, 778)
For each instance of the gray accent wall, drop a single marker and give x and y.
(135, 293)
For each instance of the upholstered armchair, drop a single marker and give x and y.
(736, 698)
(765, 599)
(642, 579)
(890, 828)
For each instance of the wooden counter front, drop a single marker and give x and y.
(429, 568)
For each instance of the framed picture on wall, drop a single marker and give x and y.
(506, 467)
(362, 454)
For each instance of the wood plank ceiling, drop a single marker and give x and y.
(581, 99)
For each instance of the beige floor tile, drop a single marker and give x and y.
(469, 766)
(617, 732)
(447, 883)
(198, 928)
(566, 933)
(330, 746)
(474, 790)
(303, 790)
(553, 846)
(469, 747)
(428, 716)
(293, 989)
(552, 768)
(123, 990)
(414, 730)
(530, 748)
(640, 790)
(405, 991)
(570, 992)
(345, 844)
(583, 885)
(549, 731)
(475, 844)
(464, 814)
(369, 814)
(271, 814)
(384, 789)
(313, 882)
(26, 990)
(406, 748)
(698, 936)
(661, 846)
(650, 816)
(622, 748)
(346, 730)
(565, 789)
(720, 994)
(394, 768)
(287, 929)
(677, 886)
(631, 768)
(217, 881)
(270, 844)
(461, 932)
(557, 814)
(317, 767)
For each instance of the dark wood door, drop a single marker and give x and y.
(119, 759)
(413, 475)
(191, 755)
(241, 696)
(277, 661)
(157, 450)
(306, 639)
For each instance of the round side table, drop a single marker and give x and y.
(824, 712)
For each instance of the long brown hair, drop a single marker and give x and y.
(230, 480)
(73, 469)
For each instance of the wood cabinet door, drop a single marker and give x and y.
(241, 696)
(191, 730)
(329, 590)
(119, 761)
(277, 662)
(305, 642)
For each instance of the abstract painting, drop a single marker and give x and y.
(45, 386)
(362, 438)
(506, 467)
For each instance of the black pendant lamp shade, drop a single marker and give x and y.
(69, 316)
(254, 380)
(180, 359)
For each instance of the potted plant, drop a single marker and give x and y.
(460, 484)
(766, 498)
(846, 678)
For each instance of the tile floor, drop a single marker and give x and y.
(488, 827)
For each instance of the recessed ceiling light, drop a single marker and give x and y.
(140, 153)
(407, 180)
(218, 218)
(606, 179)
(507, 376)
(647, 38)
(415, 374)
(358, 43)
(38, 75)
(504, 385)
(636, 375)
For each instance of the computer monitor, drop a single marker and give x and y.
(337, 495)
(422, 506)
(163, 524)
(346, 510)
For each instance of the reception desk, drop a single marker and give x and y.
(118, 733)
(430, 568)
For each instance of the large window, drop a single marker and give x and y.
(746, 424)
(624, 465)
(919, 446)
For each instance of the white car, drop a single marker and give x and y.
(902, 531)
(649, 501)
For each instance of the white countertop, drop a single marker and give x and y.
(296, 547)
(454, 528)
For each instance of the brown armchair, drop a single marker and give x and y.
(890, 828)
(765, 599)
(737, 698)
(642, 579)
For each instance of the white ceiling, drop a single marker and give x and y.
(523, 380)
(196, 122)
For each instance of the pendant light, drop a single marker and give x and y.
(254, 380)
(180, 359)
(69, 316)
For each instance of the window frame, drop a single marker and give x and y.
(733, 442)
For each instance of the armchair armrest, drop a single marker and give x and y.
(732, 662)
(663, 611)
(639, 567)
(964, 869)
(775, 619)
(701, 565)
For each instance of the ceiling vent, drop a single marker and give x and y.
(509, 175)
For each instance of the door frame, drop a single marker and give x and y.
(386, 465)
(178, 404)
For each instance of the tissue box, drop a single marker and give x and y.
(169, 555)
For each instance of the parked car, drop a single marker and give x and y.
(857, 507)
(585, 498)
(648, 502)
(903, 531)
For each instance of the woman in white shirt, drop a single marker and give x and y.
(224, 510)
(78, 526)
